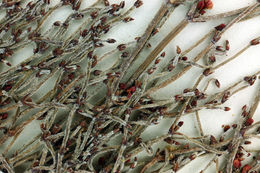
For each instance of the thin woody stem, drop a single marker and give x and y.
(140, 45)
(158, 49)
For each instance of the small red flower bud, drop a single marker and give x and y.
(180, 123)
(201, 5)
(236, 163)
(249, 122)
(255, 42)
(3, 116)
(226, 128)
(122, 86)
(246, 168)
(208, 4)
(227, 108)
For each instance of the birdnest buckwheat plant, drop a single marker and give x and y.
(88, 98)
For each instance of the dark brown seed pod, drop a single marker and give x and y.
(58, 51)
(121, 47)
(207, 72)
(178, 50)
(157, 61)
(227, 45)
(220, 27)
(163, 54)
(213, 140)
(254, 42)
(217, 83)
(106, 3)
(97, 72)
(250, 79)
(124, 54)
(171, 67)
(226, 128)
(227, 108)
(155, 31)
(128, 19)
(138, 3)
(111, 40)
(94, 14)
(225, 97)
(212, 59)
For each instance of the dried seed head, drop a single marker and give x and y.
(246, 168)
(121, 47)
(151, 70)
(137, 38)
(94, 62)
(84, 33)
(3, 116)
(225, 97)
(125, 54)
(94, 14)
(180, 123)
(213, 140)
(138, 3)
(226, 128)
(258, 131)
(178, 98)
(202, 12)
(58, 51)
(220, 48)
(217, 83)
(122, 86)
(255, 42)
(212, 59)
(247, 142)
(227, 108)
(227, 45)
(130, 91)
(244, 108)
(184, 58)
(208, 4)
(193, 103)
(178, 50)
(249, 122)
(236, 163)
(163, 54)
(97, 72)
(171, 67)
(207, 72)
(122, 4)
(106, 3)
(7, 88)
(157, 61)
(221, 139)
(172, 129)
(128, 19)
(55, 129)
(220, 27)
(111, 40)
(155, 31)
(250, 79)
(192, 157)
(57, 23)
(201, 5)
(90, 54)
(76, 6)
